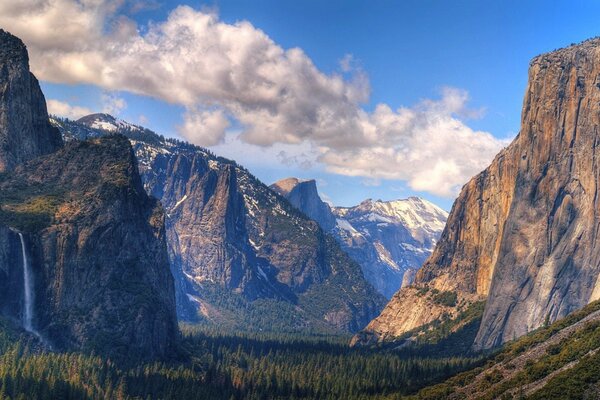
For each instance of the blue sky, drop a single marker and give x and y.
(408, 51)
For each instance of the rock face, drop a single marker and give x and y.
(523, 234)
(241, 255)
(387, 238)
(96, 246)
(25, 132)
(408, 277)
(304, 196)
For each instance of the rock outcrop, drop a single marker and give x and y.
(523, 234)
(304, 196)
(83, 255)
(242, 256)
(96, 246)
(25, 132)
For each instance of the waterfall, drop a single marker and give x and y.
(27, 289)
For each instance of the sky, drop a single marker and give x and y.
(373, 99)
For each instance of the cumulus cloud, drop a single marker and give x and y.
(426, 145)
(62, 109)
(112, 104)
(235, 72)
(204, 127)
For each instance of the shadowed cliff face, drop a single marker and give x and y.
(304, 196)
(523, 233)
(25, 131)
(96, 246)
(97, 274)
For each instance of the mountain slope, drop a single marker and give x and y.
(389, 239)
(514, 236)
(556, 362)
(241, 255)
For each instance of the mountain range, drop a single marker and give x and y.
(389, 239)
(242, 256)
(110, 234)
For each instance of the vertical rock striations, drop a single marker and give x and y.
(549, 259)
(523, 234)
(25, 132)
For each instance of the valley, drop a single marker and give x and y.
(139, 266)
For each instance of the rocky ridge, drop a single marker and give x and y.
(25, 132)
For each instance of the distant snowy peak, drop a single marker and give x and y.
(386, 238)
(414, 213)
(106, 122)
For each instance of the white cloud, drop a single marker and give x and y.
(62, 109)
(239, 73)
(204, 127)
(426, 145)
(112, 104)
(347, 62)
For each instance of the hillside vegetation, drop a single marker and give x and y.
(559, 361)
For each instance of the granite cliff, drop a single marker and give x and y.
(25, 131)
(95, 244)
(523, 234)
(304, 196)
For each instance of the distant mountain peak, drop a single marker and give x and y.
(286, 185)
(386, 238)
(105, 122)
(303, 195)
